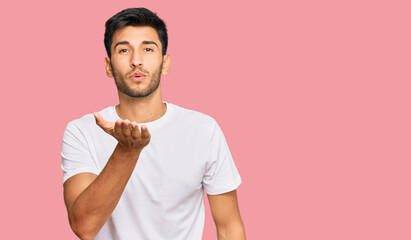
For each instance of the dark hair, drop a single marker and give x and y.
(135, 17)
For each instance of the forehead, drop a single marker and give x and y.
(135, 35)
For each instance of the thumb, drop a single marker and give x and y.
(101, 122)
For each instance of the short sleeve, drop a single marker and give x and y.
(221, 174)
(76, 156)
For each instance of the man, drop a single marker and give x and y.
(128, 180)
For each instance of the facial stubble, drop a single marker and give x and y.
(137, 93)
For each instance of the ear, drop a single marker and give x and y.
(109, 71)
(166, 65)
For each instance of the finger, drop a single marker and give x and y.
(125, 128)
(117, 129)
(106, 126)
(144, 131)
(135, 132)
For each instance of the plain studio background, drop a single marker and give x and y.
(313, 98)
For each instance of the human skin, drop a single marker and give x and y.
(90, 199)
(135, 55)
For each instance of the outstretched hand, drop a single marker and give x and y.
(127, 133)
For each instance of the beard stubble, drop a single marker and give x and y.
(123, 87)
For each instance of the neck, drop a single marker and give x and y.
(141, 110)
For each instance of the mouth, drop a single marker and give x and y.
(137, 76)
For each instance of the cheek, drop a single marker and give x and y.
(121, 65)
(155, 63)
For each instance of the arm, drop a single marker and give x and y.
(91, 199)
(226, 215)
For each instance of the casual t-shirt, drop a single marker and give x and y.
(163, 199)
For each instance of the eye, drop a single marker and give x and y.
(148, 50)
(123, 50)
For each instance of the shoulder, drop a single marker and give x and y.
(88, 122)
(192, 117)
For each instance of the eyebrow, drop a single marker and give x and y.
(150, 42)
(121, 43)
(127, 43)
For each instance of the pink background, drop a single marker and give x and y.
(313, 97)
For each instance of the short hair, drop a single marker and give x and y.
(135, 17)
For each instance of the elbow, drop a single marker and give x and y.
(233, 230)
(82, 234)
(83, 229)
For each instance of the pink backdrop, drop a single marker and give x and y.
(313, 97)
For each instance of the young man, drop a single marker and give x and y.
(138, 170)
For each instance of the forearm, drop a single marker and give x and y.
(234, 231)
(92, 208)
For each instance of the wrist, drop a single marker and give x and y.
(127, 152)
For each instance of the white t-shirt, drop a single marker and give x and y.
(163, 199)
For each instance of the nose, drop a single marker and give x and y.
(136, 60)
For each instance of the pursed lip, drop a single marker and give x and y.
(138, 76)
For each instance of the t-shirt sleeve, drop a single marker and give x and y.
(221, 174)
(75, 153)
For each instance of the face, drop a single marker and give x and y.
(136, 61)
